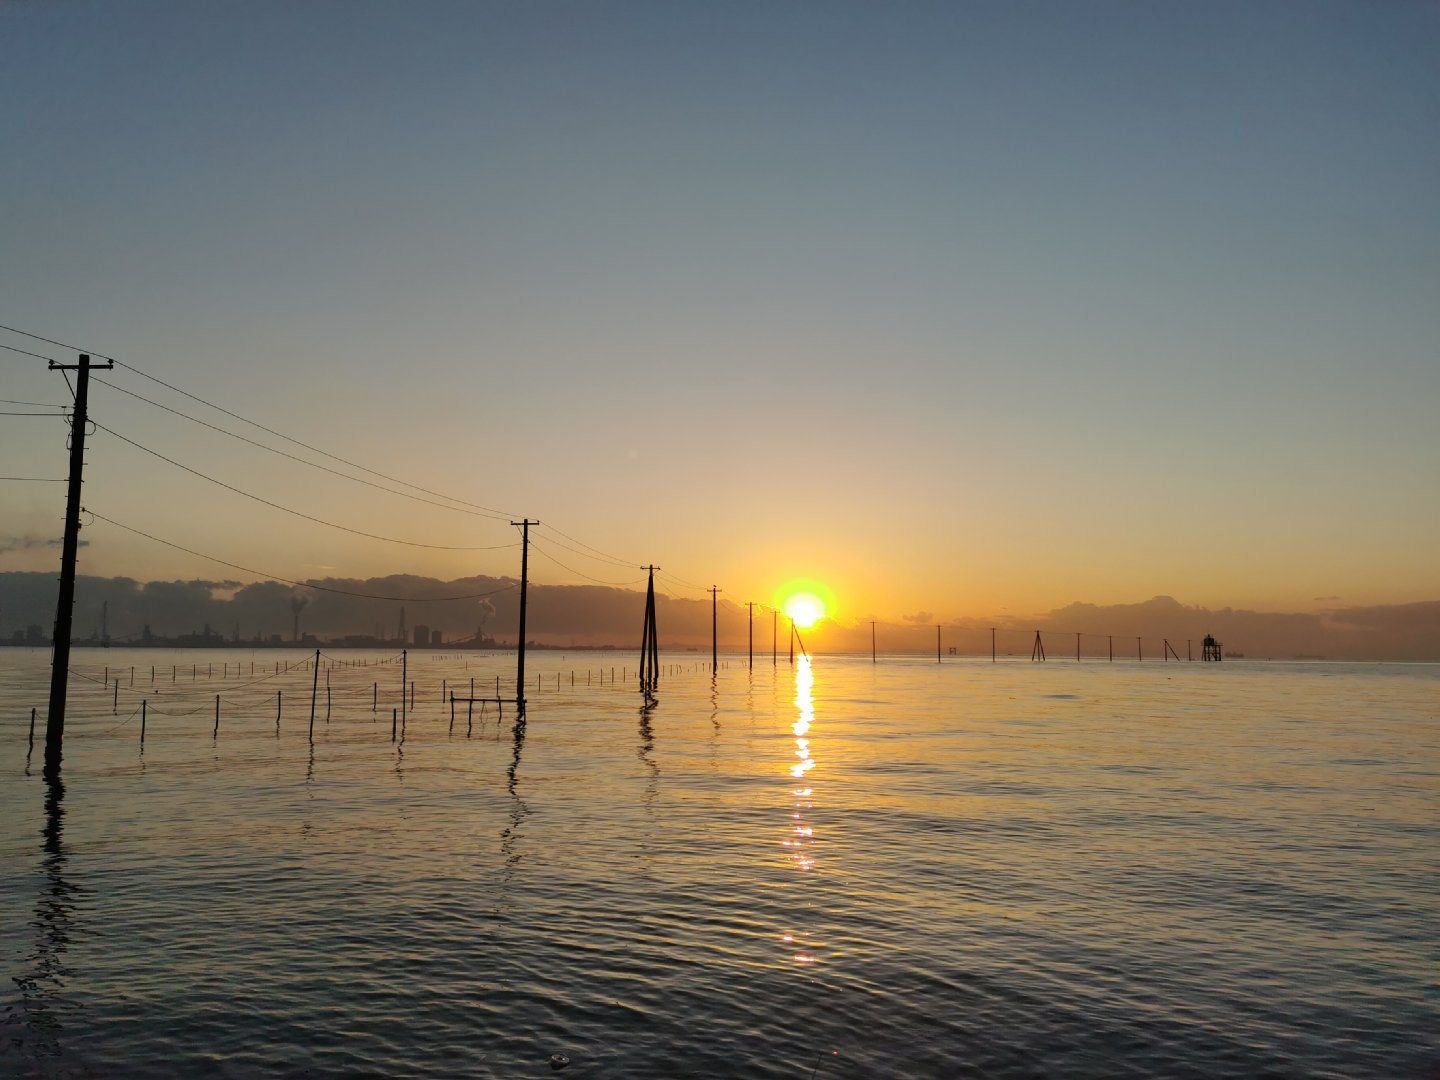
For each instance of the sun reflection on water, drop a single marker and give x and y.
(801, 835)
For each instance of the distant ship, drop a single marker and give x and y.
(1234, 656)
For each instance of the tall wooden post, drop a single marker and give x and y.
(750, 627)
(714, 631)
(69, 551)
(314, 689)
(872, 641)
(524, 589)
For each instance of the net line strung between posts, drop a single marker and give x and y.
(178, 689)
(296, 513)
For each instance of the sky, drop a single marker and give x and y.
(971, 309)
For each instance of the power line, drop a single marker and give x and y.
(303, 461)
(37, 404)
(577, 573)
(584, 555)
(598, 553)
(297, 513)
(26, 352)
(292, 581)
(297, 442)
(37, 479)
(52, 341)
(475, 508)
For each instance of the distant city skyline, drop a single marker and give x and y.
(971, 310)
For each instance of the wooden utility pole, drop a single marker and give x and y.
(524, 587)
(937, 644)
(649, 648)
(774, 637)
(69, 550)
(750, 624)
(714, 635)
(992, 644)
(872, 641)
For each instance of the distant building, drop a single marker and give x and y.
(422, 634)
(1210, 648)
(436, 638)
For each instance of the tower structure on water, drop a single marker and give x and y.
(1210, 649)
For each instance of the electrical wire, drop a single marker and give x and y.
(292, 581)
(305, 445)
(37, 479)
(297, 513)
(37, 404)
(303, 461)
(473, 507)
(582, 554)
(598, 553)
(27, 352)
(577, 573)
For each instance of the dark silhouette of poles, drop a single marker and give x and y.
(872, 641)
(1139, 653)
(714, 630)
(69, 553)
(750, 626)
(774, 638)
(314, 687)
(1077, 647)
(992, 644)
(937, 644)
(524, 591)
(404, 678)
(1037, 651)
(216, 733)
(649, 649)
(1112, 647)
(792, 641)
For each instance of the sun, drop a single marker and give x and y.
(805, 600)
(806, 609)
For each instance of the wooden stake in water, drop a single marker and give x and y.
(394, 718)
(314, 687)
(115, 701)
(216, 733)
(143, 710)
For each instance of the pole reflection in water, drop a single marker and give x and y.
(801, 835)
(518, 809)
(41, 988)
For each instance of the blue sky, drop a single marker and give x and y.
(961, 307)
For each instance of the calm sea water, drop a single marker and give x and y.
(838, 869)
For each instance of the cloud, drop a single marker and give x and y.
(920, 618)
(30, 543)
